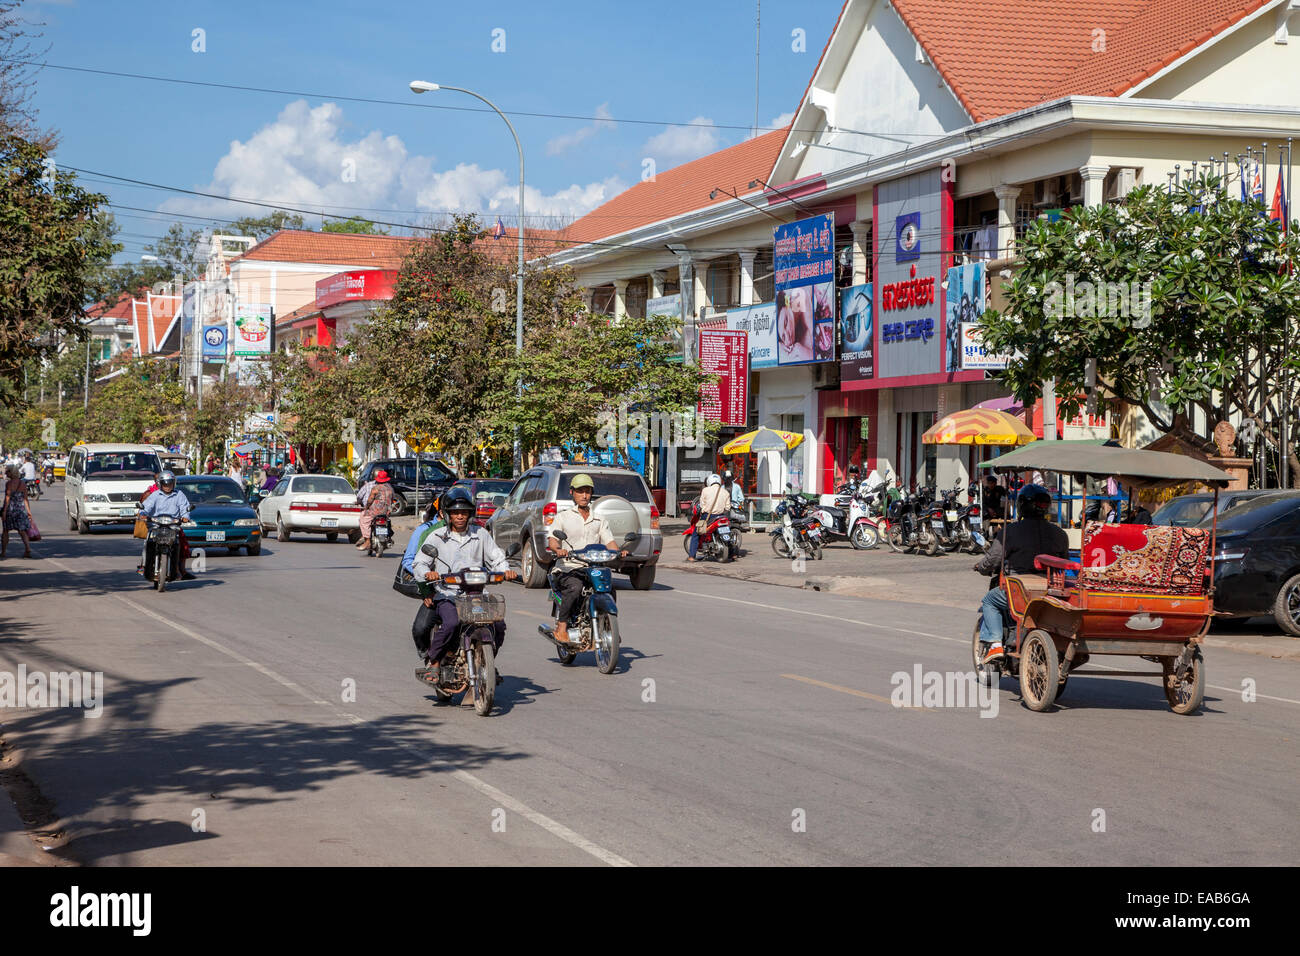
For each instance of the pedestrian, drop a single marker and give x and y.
(17, 513)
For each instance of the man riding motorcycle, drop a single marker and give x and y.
(715, 502)
(581, 527)
(1020, 543)
(460, 545)
(172, 503)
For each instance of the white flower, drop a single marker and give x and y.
(1198, 253)
(1033, 290)
(1123, 214)
(1178, 209)
(1211, 198)
(1196, 232)
(1252, 246)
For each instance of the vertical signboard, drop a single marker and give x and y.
(858, 334)
(907, 278)
(725, 354)
(965, 300)
(804, 263)
(759, 323)
(253, 326)
(668, 305)
(214, 343)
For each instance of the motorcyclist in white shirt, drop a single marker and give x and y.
(169, 501)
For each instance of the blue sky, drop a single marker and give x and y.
(672, 62)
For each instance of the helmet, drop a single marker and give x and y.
(457, 499)
(727, 476)
(1034, 501)
(166, 478)
(713, 480)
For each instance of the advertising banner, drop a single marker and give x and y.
(214, 343)
(908, 276)
(804, 254)
(367, 284)
(725, 354)
(668, 305)
(965, 301)
(857, 360)
(759, 323)
(973, 354)
(253, 329)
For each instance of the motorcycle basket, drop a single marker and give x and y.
(480, 608)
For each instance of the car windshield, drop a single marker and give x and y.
(432, 471)
(122, 465)
(1182, 512)
(486, 490)
(1255, 512)
(217, 491)
(624, 484)
(321, 485)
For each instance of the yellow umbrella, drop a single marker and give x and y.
(978, 426)
(767, 439)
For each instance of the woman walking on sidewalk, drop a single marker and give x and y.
(17, 513)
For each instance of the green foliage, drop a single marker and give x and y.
(260, 227)
(1221, 283)
(354, 224)
(51, 237)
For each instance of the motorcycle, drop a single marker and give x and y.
(798, 534)
(718, 541)
(593, 626)
(970, 523)
(33, 486)
(907, 530)
(381, 536)
(469, 660)
(162, 549)
(48, 473)
(944, 516)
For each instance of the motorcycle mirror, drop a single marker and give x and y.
(559, 536)
(512, 550)
(430, 550)
(630, 536)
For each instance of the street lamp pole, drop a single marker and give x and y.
(420, 86)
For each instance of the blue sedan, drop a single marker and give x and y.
(219, 515)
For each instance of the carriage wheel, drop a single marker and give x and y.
(988, 674)
(1040, 671)
(1187, 695)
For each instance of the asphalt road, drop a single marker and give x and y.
(747, 724)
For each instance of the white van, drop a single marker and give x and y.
(104, 483)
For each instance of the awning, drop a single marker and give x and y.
(1132, 465)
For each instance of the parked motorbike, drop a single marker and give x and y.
(799, 533)
(970, 523)
(944, 517)
(469, 660)
(381, 536)
(909, 528)
(718, 541)
(162, 549)
(593, 625)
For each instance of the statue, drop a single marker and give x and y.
(1225, 437)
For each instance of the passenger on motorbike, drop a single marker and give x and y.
(460, 545)
(29, 468)
(581, 527)
(1019, 543)
(715, 502)
(734, 490)
(167, 500)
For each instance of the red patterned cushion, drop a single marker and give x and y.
(1135, 558)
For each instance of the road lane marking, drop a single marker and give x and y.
(849, 690)
(553, 827)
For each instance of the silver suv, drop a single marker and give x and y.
(620, 497)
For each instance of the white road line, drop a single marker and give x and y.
(937, 637)
(553, 827)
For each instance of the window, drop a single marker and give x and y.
(536, 489)
(517, 492)
(102, 350)
(216, 491)
(123, 465)
(321, 485)
(625, 485)
(432, 472)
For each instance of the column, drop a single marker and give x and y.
(861, 250)
(1094, 182)
(1007, 196)
(747, 276)
(620, 298)
(701, 296)
(656, 285)
(588, 298)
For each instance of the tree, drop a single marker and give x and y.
(1177, 299)
(264, 226)
(354, 224)
(51, 239)
(18, 57)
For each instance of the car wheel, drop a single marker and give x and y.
(83, 526)
(1286, 607)
(281, 532)
(331, 536)
(642, 578)
(72, 521)
(254, 549)
(532, 574)
(398, 507)
(232, 549)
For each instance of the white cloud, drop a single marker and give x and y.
(677, 144)
(780, 121)
(304, 159)
(566, 141)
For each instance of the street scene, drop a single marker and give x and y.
(871, 444)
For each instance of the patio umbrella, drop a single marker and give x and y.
(765, 439)
(978, 426)
(1009, 404)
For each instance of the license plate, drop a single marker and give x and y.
(216, 536)
(952, 515)
(975, 520)
(329, 522)
(723, 533)
(937, 525)
(125, 512)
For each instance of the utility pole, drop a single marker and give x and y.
(85, 398)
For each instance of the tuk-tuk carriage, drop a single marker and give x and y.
(1137, 590)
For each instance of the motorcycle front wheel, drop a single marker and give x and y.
(864, 537)
(927, 541)
(485, 677)
(779, 546)
(607, 643)
(161, 567)
(895, 538)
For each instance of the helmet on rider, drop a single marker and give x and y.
(1034, 501)
(712, 480)
(457, 499)
(167, 480)
(728, 476)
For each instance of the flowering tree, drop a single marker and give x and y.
(1174, 299)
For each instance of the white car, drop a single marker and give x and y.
(317, 504)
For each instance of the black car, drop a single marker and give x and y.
(1187, 511)
(435, 478)
(1257, 560)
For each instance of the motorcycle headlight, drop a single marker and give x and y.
(190, 524)
(475, 577)
(246, 522)
(97, 497)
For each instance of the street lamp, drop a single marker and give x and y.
(421, 86)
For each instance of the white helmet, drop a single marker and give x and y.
(713, 480)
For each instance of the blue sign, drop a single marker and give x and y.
(922, 329)
(907, 237)
(857, 334)
(214, 342)
(804, 272)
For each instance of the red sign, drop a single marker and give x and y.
(725, 354)
(355, 286)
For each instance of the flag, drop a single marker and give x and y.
(1256, 182)
(1280, 211)
(499, 229)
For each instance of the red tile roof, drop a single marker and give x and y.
(1006, 55)
(679, 190)
(332, 248)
